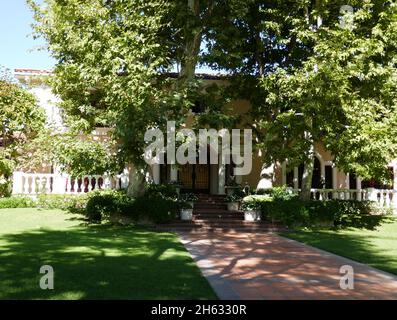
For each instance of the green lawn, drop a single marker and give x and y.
(92, 262)
(377, 248)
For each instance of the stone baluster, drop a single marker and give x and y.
(388, 201)
(17, 182)
(26, 184)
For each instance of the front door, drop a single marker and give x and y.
(195, 178)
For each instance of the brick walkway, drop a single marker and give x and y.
(267, 266)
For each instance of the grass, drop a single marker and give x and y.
(92, 262)
(377, 248)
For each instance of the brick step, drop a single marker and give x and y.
(211, 201)
(217, 224)
(214, 216)
(231, 229)
(215, 211)
(212, 208)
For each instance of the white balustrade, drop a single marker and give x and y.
(57, 183)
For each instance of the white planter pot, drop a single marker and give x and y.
(232, 206)
(252, 215)
(186, 214)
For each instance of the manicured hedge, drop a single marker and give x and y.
(17, 202)
(72, 203)
(314, 213)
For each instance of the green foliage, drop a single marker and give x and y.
(188, 197)
(104, 203)
(159, 204)
(16, 202)
(234, 197)
(73, 154)
(72, 203)
(313, 213)
(342, 93)
(254, 202)
(162, 190)
(6, 168)
(20, 120)
(156, 208)
(278, 193)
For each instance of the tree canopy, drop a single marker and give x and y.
(311, 71)
(20, 121)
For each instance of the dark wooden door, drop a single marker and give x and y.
(195, 177)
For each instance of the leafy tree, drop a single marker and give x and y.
(343, 94)
(75, 155)
(109, 61)
(112, 63)
(20, 120)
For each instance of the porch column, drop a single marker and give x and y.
(347, 184)
(334, 181)
(296, 178)
(174, 173)
(359, 191)
(156, 173)
(221, 172)
(284, 173)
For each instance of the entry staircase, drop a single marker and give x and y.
(210, 214)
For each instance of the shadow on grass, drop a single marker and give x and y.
(368, 222)
(371, 246)
(99, 262)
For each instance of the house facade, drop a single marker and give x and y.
(328, 180)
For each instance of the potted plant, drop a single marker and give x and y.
(231, 185)
(233, 201)
(186, 210)
(189, 197)
(252, 208)
(177, 185)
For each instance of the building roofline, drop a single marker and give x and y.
(32, 72)
(38, 72)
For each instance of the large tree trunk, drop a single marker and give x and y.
(137, 181)
(308, 167)
(192, 46)
(307, 179)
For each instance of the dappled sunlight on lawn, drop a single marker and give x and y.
(96, 262)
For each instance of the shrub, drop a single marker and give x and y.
(234, 197)
(254, 202)
(72, 203)
(155, 208)
(16, 202)
(313, 213)
(188, 197)
(103, 203)
(162, 190)
(279, 193)
(6, 168)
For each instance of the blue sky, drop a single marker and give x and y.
(18, 48)
(16, 40)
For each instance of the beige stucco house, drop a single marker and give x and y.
(328, 180)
